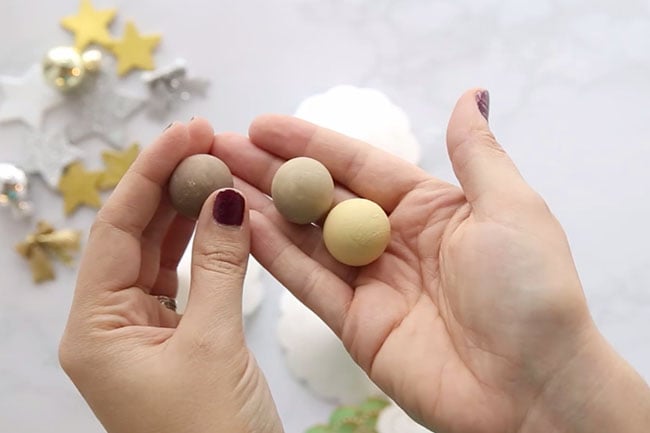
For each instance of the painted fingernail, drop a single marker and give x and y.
(483, 102)
(228, 208)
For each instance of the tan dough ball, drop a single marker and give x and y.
(302, 190)
(194, 179)
(356, 232)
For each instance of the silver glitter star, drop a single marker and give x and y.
(48, 155)
(102, 112)
(26, 98)
(170, 86)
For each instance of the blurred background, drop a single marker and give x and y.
(570, 90)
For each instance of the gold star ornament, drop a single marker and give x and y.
(90, 25)
(79, 187)
(134, 50)
(45, 244)
(117, 163)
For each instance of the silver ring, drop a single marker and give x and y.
(167, 302)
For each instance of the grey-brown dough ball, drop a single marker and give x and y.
(194, 179)
(302, 190)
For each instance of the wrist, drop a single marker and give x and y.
(595, 391)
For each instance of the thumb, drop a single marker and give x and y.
(219, 259)
(486, 173)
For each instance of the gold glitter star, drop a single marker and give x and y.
(79, 187)
(116, 165)
(134, 50)
(89, 25)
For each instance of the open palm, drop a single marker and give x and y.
(454, 320)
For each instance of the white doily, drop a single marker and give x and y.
(316, 356)
(365, 114)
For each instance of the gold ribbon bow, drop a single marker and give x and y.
(45, 243)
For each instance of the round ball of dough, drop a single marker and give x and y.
(194, 179)
(302, 190)
(356, 232)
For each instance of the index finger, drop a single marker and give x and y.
(113, 254)
(364, 169)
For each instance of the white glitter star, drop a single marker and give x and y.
(27, 98)
(170, 86)
(102, 112)
(48, 155)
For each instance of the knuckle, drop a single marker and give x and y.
(534, 201)
(98, 225)
(66, 358)
(225, 260)
(70, 358)
(477, 142)
(485, 138)
(315, 280)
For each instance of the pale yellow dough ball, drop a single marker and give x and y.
(356, 232)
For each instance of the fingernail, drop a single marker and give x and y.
(228, 208)
(483, 102)
(168, 126)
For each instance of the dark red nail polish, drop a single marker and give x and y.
(228, 208)
(483, 102)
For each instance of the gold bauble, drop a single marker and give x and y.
(63, 68)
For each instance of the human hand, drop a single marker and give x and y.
(474, 319)
(139, 365)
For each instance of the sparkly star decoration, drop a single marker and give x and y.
(134, 50)
(117, 163)
(103, 112)
(90, 25)
(48, 154)
(170, 86)
(27, 98)
(79, 187)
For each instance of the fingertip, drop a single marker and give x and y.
(225, 208)
(222, 233)
(468, 116)
(261, 123)
(175, 132)
(229, 208)
(269, 129)
(201, 132)
(487, 175)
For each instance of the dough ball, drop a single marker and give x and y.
(356, 232)
(194, 179)
(302, 190)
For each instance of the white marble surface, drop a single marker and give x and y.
(570, 102)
